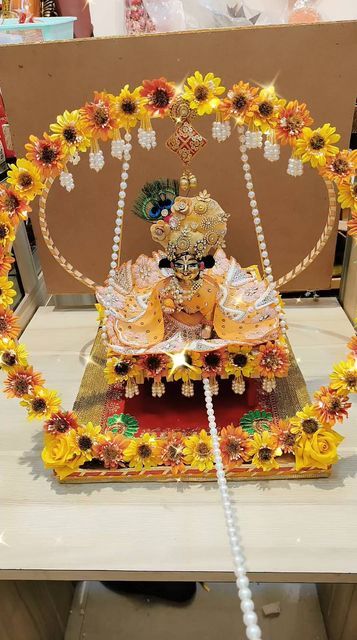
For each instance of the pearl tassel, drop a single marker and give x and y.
(66, 180)
(253, 631)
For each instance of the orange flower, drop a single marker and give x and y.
(285, 438)
(292, 118)
(159, 94)
(240, 103)
(352, 344)
(15, 207)
(347, 196)
(352, 225)
(100, 116)
(171, 452)
(61, 422)
(331, 406)
(6, 261)
(47, 154)
(7, 230)
(212, 363)
(340, 168)
(111, 452)
(154, 364)
(8, 324)
(236, 446)
(272, 360)
(21, 381)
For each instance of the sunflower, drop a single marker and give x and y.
(344, 376)
(70, 129)
(340, 168)
(8, 324)
(268, 106)
(331, 406)
(265, 450)
(47, 154)
(186, 371)
(120, 369)
(84, 439)
(15, 207)
(236, 446)
(292, 118)
(347, 196)
(130, 106)
(211, 363)
(352, 345)
(7, 231)
(12, 355)
(306, 421)
(99, 117)
(198, 451)
(61, 422)
(111, 452)
(159, 95)
(172, 452)
(240, 103)
(284, 436)
(7, 293)
(240, 361)
(26, 179)
(317, 146)
(202, 92)
(41, 403)
(21, 381)
(154, 364)
(6, 260)
(272, 360)
(317, 451)
(352, 225)
(143, 452)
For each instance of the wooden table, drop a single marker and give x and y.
(304, 531)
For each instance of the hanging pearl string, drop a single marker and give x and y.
(117, 239)
(250, 619)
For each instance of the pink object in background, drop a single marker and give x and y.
(80, 8)
(137, 19)
(303, 11)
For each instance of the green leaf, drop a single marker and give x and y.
(130, 424)
(255, 421)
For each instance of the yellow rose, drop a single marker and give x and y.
(318, 451)
(58, 454)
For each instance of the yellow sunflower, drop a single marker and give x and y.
(347, 196)
(268, 108)
(12, 355)
(70, 129)
(188, 370)
(265, 450)
(130, 106)
(143, 452)
(317, 451)
(344, 376)
(120, 369)
(202, 92)
(240, 103)
(306, 421)
(7, 230)
(84, 439)
(317, 146)
(26, 179)
(341, 168)
(198, 451)
(41, 403)
(58, 454)
(7, 293)
(240, 361)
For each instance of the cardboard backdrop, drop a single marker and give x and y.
(315, 64)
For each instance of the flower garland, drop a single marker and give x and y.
(69, 444)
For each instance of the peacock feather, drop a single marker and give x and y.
(155, 198)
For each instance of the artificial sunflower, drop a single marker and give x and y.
(186, 371)
(84, 439)
(236, 446)
(318, 450)
(352, 345)
(41, 403)
(331, 406)
(21, 381)
(111, 452)
(211, 363)
(26, 179)
(13, 205)
(265, 451)
(285, 438)
(198, 451)
(120, 369)
(347, 196)
(47, 154)
(240, 361)
(341, 168)
(159, 95)
(172, 452)
(344, 376)
(7, 231)
(130, 106)
(99, 117)
(240, 103)
(9, 328)
(7, 292)
(61, 422)
(143, 452)
(12, 355)
(306, 421)
(291, 119)
(317, 146)
(272, 360)
(70, 129)
(155, 364)
(202, 92)
(58, 454)
(352, 225)
(268, 106)
(6, 260)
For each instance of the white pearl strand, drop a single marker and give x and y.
(66, 178)
(221, 130)
(257, 222)
(118, 225)
(250, 619)
(295, 167)
(147, 138)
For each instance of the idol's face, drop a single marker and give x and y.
(186, 267)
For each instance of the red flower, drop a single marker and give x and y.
(61, 422)
(159, 94)
(331, 406)
(47, 154)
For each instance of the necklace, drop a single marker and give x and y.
(178, 293)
